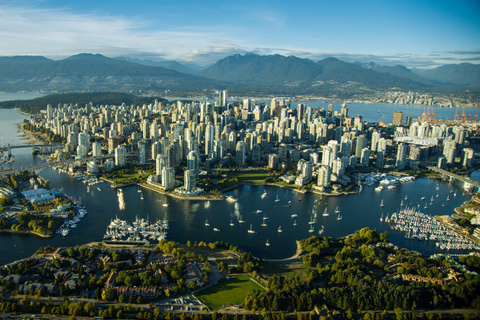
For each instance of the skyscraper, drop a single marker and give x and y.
(397, 118)
(120, 156)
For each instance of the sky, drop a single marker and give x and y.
(422, 34)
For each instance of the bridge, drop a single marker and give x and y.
(454, 176)
(52, 164)
(34, 147)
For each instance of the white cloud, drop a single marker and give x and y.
(59, 33)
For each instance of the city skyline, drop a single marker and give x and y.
(410, 33)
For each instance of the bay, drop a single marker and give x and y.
(187, 217)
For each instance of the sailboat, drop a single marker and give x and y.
(295, 222)
(455, 194)
(280, 229)
(312, 220)
(339, 217)
(321, 230)
(264, 222)
(141, 196)
(277, 200)
(231, 223)
(312, 228)
(267, 243)
(381, 203)
(337, 210)
(251, 230)
(448, 199)
(381, 218)
(406, 197)
(401, 204)
(240, 220)
(289, 203)
(206, 223)
(325, 213)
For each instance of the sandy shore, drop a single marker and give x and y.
(29, 137)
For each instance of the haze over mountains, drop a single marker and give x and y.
(266, 74)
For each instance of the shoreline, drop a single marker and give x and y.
(28, 136)
(29, 232)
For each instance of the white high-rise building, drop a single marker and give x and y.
(168, 178)
(142, 152)
(365, 157)
(209, 135)
(96, 149)
(120, 156)
(160, 163)
(189, 180)
(84, 140)
(401, 156)
(193, 163)
(324, 176)
(240, 154)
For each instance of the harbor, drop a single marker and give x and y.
(423, 227)
(140, 230)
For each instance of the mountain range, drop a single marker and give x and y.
(271, 74)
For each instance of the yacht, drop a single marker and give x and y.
(259, 211)
(231, 199)
(289, 203)
(294, 215)
(206, 223)
(165, 204)
(264, 195)
(216, 229)
(251, 230)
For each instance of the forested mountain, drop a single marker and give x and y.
(464, 74)
(249, 73)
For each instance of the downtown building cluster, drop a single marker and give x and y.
(316, 146)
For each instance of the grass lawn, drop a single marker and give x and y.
(228, 291)
(250, 175)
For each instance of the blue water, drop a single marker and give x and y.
(187, 218)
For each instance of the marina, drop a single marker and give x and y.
(140, 230)
(423, 227)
